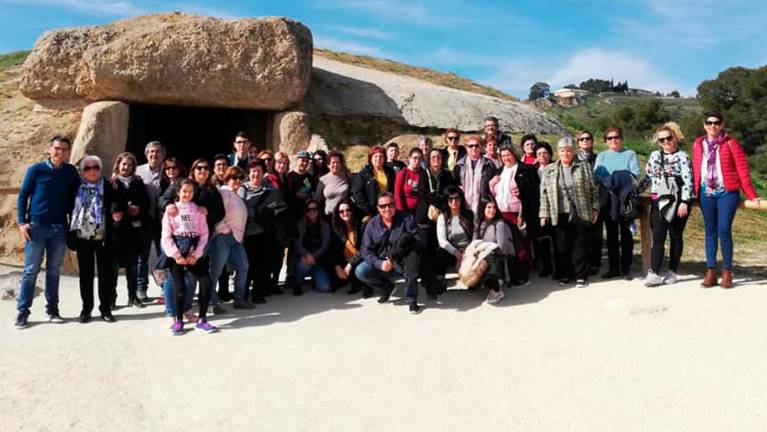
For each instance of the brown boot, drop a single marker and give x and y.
(710, 279)
(726, 278)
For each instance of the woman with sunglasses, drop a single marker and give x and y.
(453, 151)
(406, 186)
(312, 247)
(129, 231)
(671, 174)
(373, 179)
(455, 228)
(95, 211)
(720, 171)
(587, 155)
(207, 198)
(474, 172)
(614, 171)
(333, 186)
(172, 171)
(346, 246)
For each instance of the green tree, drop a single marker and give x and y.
(539, 90)
(674, 94)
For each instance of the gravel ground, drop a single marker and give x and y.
(612, 356)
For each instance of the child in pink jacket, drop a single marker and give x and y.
(183, 242)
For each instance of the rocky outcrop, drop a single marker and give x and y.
(103, 131)
(290, 132)
(343, 90)
(175, 59)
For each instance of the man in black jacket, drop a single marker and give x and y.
(389, 250)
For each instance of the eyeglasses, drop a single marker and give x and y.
(669, 138)
(472, 145)
(613, 138)
(202, 168)
(585, 139)
(386, 206)
(713, 123)
(452, 138)
(91, 168)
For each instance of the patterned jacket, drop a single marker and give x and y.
(585, 191)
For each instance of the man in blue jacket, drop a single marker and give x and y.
(389, 251)
(45, 201)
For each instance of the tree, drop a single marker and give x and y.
(539, 90)
(571, 87)
(596, 85)
(741, 95)
(674, 94)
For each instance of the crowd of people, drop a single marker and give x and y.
(506, 212)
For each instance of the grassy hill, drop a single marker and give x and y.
(12, 59)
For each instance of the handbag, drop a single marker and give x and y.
(433, 213)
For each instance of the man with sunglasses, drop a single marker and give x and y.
(389, 246)
(453, 151)
(45, 200)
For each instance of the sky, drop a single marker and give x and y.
(652, 44)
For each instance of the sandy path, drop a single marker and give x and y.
(613, 356)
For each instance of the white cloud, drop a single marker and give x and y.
(89, 7)
(515, 76)
(346, 46)
(363, 32)
(621, 66)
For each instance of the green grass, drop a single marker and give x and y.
(12, 59)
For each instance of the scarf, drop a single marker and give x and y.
(472, 183)
(713, 148)
(125, 180)
(506, 201)
(87, 217)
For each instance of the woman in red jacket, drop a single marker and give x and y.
(720, 170)
(406, 190)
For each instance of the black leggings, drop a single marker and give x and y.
(619, 253)
(201, 271)
(259, 249)
(92, 255)
(660, 227)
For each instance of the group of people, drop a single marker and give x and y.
(480, 202)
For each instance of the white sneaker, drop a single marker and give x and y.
(495, 298)
(669, 278)
(653, 279)
(581, 283)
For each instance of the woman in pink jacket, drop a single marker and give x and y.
(183, 240)
(720, 170)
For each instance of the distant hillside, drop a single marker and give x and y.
(444, 79)
(12, 59)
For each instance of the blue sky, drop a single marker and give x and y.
(654, 44)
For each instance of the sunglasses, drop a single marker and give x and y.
(171, 168)
(386, 206)
(312, 209)
(452, 138)
(472, 145)
(202, 168)
(91, 168)
(665, 139)
(613, 138)
(585, 139)
(319, 160)
(241, 142)
(267, 159)
(454, 198)
(713, 123)
(342, 211)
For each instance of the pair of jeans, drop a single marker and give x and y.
(660, 228)
(384, 281)
(49, 241)
(167, 292)
(152, 237)
(94, 255)
(201, 271)
(223, 249)
(619, 253)
(320, 277)
(572, 248)
(718, 213)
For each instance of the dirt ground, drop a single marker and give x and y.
(612, 356)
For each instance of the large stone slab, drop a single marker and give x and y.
(103, 132)
(175, 59)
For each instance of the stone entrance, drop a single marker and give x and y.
(194, 132)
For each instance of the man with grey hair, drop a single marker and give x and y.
(150, 173)
(491, 128)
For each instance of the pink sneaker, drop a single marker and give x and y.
(177, 328)
(204, 325)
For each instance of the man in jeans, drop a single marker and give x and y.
(150, 173)
(45, 200)
(389, 251)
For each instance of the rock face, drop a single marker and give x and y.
(340, 89)
(103, 132)
(291, 132)
(175, 59)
